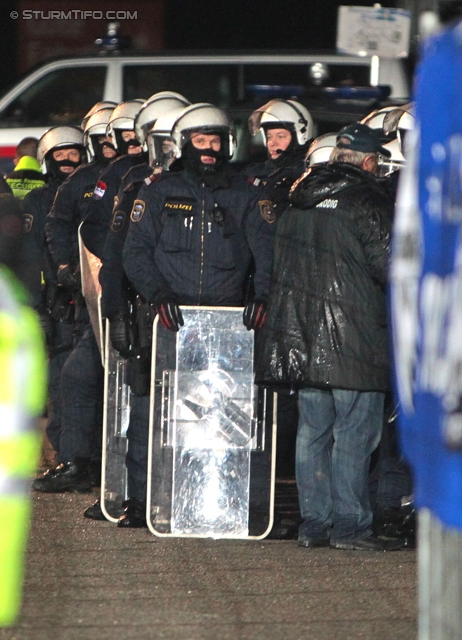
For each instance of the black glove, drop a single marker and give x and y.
(118, 334)
(170, 315)
(255, 314)
(66, 277)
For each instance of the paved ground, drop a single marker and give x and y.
(91, 581)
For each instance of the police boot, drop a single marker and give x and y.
(134, 515)
(67, 476)
(94, 512)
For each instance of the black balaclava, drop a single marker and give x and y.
(192, 157)
(123, 145)
(54, 166)
(98, 148)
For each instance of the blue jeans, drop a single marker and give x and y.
(337, 432)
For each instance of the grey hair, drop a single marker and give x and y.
(349, 155)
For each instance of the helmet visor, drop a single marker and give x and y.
(162, 150)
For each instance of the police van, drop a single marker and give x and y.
(335, 88)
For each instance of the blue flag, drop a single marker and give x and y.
(426, 282)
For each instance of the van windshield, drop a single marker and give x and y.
(62, 96)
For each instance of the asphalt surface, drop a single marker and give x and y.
(89, 580)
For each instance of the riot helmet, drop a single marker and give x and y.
(376, 118)
(95, 128)
(162, 148)
(104, 104)
(283, 114)
(152, 109)
(204, 118)
(60, 138)
(320, 149)
(123, 119)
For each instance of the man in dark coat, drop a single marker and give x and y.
(326, 335)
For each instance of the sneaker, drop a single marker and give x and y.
(67, 476)
(313, 542)
(371, 543)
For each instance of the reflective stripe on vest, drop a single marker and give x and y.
(11, 487)
(14, 421)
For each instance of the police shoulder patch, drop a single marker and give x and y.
(118, 221)
(137, 210)
(267, 211)
(27, 221)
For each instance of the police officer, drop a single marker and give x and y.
(60, 152)
(193, 231)
(117, 295)
(121, 130)
(287, 130)
(127, 126)
(82, 373)
(203, 223)
(112, 276)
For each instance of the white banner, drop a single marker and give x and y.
(370, 31)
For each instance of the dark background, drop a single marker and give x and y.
(212, 24)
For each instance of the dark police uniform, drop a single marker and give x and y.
(116, 292)
(277, 177)
(53, 304)
(104, 198)
(195, 243)
(82, 374)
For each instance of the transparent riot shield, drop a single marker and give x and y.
(91, 290)
(115, 424)
(212, 441)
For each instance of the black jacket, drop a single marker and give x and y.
(194, 243)
(101, 205)
(36, 206)
(112, 276)
(326, 323)
(277, 177)
(69, 209)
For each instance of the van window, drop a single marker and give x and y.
(60, 97)
(198, 82)
(298, 74)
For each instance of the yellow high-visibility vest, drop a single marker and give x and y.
(23, 376)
